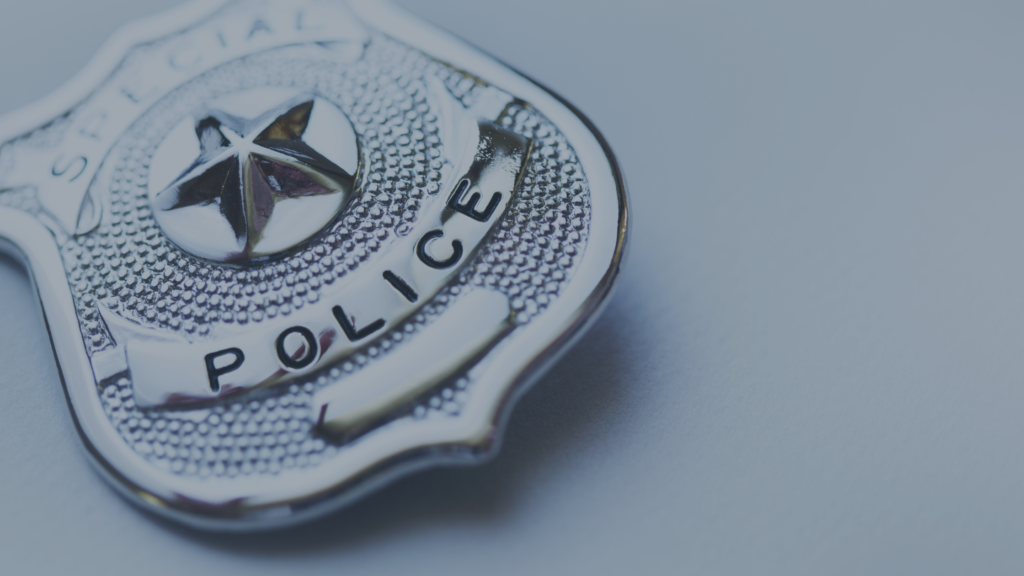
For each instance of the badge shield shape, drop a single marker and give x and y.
(288, 251)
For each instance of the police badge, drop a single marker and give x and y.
(289, 250)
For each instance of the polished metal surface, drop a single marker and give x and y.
(249, 187)
(288, 251)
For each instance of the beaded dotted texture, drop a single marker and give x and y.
(129, 267)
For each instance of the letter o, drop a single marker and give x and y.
(312, 349)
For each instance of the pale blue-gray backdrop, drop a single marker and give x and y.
(815, 363)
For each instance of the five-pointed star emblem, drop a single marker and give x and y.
(247, 170)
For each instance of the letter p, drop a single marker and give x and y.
(215, 372)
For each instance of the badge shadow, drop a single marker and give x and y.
(570, 409)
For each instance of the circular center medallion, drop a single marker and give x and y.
(253, 174)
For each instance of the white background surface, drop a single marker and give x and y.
(813, 365)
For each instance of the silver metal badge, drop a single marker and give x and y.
(290, 250)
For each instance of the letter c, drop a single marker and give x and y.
(421, 251)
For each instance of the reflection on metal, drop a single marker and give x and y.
(253, 174)
(470, 327)
(291, 249)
